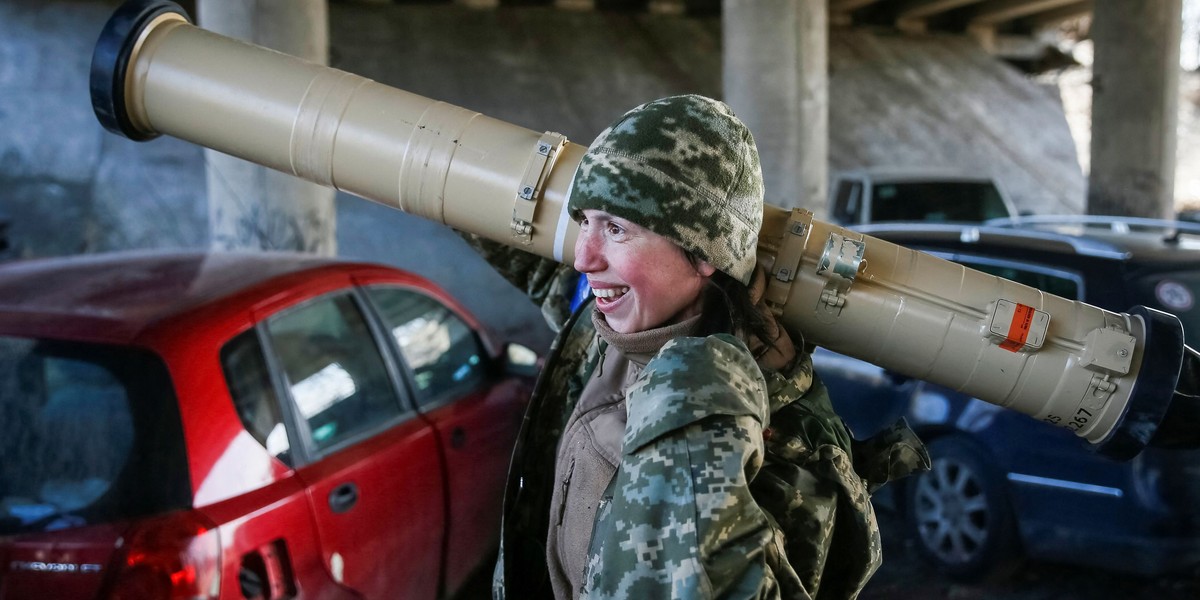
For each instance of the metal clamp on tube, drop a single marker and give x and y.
(1114, 379)
(541, 162)
(839, 264)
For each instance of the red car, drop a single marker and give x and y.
(262, 426)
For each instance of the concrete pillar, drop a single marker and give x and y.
(1135, 97)
(251, 207)
(775, 62)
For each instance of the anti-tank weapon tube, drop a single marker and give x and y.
(1112, 378)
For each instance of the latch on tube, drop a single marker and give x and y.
(1108, 349)
(787, 263)
(537, 168)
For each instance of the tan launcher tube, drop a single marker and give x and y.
(1060, 361)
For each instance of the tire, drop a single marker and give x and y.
(958, 514)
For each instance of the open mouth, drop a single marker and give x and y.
(609, 295)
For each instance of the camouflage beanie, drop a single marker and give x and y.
(685, 168)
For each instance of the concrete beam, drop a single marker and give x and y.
(985, 35)
(478, 3)
(839, 10)
(999, 11)
(922, 9)
(1017, 47)
(667, 7)
(575, 4)
(1053, 17)
(848, 5)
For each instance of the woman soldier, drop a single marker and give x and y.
(677, 443)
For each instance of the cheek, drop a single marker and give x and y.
(686, 290)
(669, 286)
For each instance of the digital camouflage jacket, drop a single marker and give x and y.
(735, 482)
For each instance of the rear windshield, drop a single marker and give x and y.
(939, 201)
(1175, 292)
(88, 434)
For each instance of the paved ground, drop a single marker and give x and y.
(904, 576)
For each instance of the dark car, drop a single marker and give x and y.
(260, 426)
(880, 195)
(1003, 485)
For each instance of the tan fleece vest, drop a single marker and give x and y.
(589, 451)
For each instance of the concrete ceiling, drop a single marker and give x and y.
(1012, 29)
(1008, 28)
(1006, 16)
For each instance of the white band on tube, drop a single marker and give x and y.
(564, 219)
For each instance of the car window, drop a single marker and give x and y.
(943, 201)
(337, 379)
(442, 351)
(253, 393)
(1057, 283)
(88, 433)
(845, 206)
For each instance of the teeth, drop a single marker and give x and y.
(609, 292)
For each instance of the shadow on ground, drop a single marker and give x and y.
(905, 576)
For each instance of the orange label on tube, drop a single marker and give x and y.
(1018, 330)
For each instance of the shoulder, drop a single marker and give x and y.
(692, 379)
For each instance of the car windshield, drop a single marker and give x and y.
(943, 201)
(88, 434)
(1174, 292)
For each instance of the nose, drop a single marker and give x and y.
(588, 256)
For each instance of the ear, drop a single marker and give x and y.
(704, 269)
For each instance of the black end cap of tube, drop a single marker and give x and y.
(1180, 428)
(110, 60)
(1162, 361)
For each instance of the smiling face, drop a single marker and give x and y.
(641, 279)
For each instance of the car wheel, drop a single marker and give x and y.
(959, 516)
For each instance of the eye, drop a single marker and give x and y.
(583, 223)
(615, 230)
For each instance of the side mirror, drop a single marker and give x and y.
(521, 361)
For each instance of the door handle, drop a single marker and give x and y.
(458, 437)
(343, 497)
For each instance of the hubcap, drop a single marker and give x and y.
(952, 513)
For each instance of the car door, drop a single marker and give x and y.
(474, 407)
(867, 397)
(370, 464)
